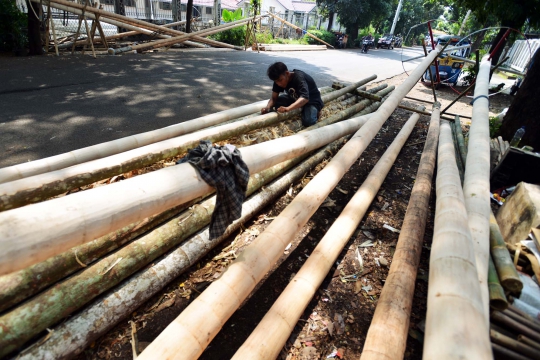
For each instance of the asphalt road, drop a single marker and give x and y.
(51, 105)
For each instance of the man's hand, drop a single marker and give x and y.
(283, 109)
(264, 111)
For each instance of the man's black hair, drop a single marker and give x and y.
(276, 70)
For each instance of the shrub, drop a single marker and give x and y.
(235, 36)
(265, 37)
(321, 34)
(13, 27)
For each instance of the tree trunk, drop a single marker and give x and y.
(189, 15)
(330, 21)
(524, 109)
(353, 33)
(34, 24)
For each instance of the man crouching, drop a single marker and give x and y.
(300, 92)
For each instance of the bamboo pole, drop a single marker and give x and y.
(454, 299)
(40, 187)
(459, 163)
(476, 183)
(71, 337)
(296, 27)
(107, 16)
(194, 328)
(98, 151)
(497, 299)
(523, 314)
(507, 354)
(272, 332)
(525, 321)
(395, 301)
(49, 307)
(516, 326)
(178, 39)
(20, 285)
(461, 140)
(514, 345)
(526, 340)
(506, 270)
(62, 223)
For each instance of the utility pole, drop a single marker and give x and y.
(396, 18)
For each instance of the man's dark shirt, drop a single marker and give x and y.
(302, 85)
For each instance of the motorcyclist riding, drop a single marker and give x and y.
(367, 42)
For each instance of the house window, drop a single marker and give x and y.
(208, 10)
(130, 3)
(165, 5)
(196, 11)
(272, 9)
(183, 7)
(107, 2)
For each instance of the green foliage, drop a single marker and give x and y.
(321, 34)
(265, 37)
(229, 16)
(235, 36)
(13, 26)
(494, 125)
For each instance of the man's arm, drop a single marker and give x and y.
(296, 105)
(271, 103)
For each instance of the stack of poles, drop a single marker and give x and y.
(271, 334)
(40, 187)
(197, 325)
(78, 332)
(395, 302)
(73, 220)
(130, 23)
(24, 322)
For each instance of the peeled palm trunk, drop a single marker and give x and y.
(39, 231)
(271, 334)
(454, 308)
(40, 187)
(189, 334)
(476, 183)
(387, 334)
(81, 330)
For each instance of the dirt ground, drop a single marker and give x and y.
(337, 319)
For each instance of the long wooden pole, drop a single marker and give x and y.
(502, 319)
(395, 302)
(104, 209)
(37, 188)
(296, 27)
(454, 299)
(181, 38)
(81, 330)
(271, 334)
(200, 322)
(476, 181)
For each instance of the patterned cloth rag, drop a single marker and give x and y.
(222, 168)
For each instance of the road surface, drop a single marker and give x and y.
(51, 105)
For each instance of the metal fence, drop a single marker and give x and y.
(521, 53)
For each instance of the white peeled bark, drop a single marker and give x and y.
(476, 181)
(189, 334)
(271, 334)
(75, 334)
(33, 233)
(455, 326)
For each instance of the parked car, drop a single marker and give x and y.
(455, 41)
(386, 41)
(449, 70)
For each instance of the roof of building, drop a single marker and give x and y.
(225, 4)
(300, 6)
